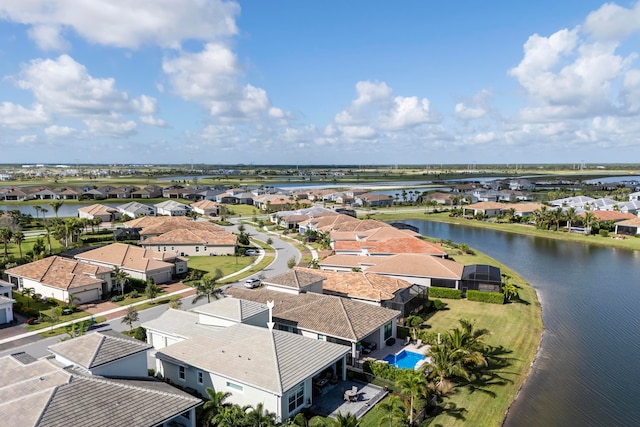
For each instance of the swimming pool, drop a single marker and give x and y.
(404, 360)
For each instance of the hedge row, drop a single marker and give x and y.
(97, 239)
(490, 297)
(436, 292)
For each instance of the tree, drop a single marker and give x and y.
(414, 386)
(590, 221)
(230, 416)
(260, 417)
(208, 287)
(509, 290)
(120, 277)
(77, 329)
(413, 322)
(392, 411)
(131, 317)
(5, 237)
(291, 262)
(28, 293)
(71, 301)
(56, 206)
(175, 303)
(54, 315)
(212, 407)
(571, 217)
(151, 290)
(18, 238)
(39, 248)
(269, 241)
(314, 263)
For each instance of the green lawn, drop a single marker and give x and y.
(516, 326)
(60, 331)
(63, 318)
(226, 264)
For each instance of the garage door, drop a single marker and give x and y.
(3, 316)
(88, 295)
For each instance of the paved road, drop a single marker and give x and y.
(37, 346)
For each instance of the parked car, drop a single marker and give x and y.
(252, 283)
(251, 252)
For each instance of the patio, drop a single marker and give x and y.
(331, 401)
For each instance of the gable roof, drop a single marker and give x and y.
(609, 215)
(205, 204)
(171, 205)
(406, 245)
(483, 206)
(43, 393)
(97, 209)
(237, 310)
(324, 314)
(271, 360)
(128, 257)
(61, 273)
(99, 348)
(296, 279)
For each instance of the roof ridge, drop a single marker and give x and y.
(112, 381)
(51, 396)
(53, 260)
(341, 301)
(103, 338)
(275, 353)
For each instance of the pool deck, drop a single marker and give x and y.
(380, 354)
(332, 399)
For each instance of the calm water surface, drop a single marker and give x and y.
(588, 370)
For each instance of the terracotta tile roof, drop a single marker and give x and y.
(161, 227)
(148, 221)
(205, 204)
(350, 245)
(97, 209)
(525, 207)
(408, 265)
(374, 287)
(635, 222)
(610, 215)
(58, 272)
(128, 257)
(356, 225)
(487, 205)
(183, 236)
(328, 315)
(385, 233)
(406, 245)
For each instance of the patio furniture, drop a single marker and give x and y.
(407, 340)
(321, 382)
(351, 395)
(418, 343)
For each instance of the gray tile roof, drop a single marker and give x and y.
(232, 309)
(98, 348)
(294, 279)
(180, 324)
(270, 360)
(44, 394)
(328, 315)
(24, 358)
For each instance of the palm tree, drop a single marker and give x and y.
(5, 238)
(571, 217)
(259, 417)
(414, 386)
(120, 277)
(509, 290)
(392, 411)
(37, 209)
(56, 206)
(444, 364)
(18, 238)
(28, 293)
(230, 416)
(347, 420)
(589, 221)
(208, 287)
(556, 216)
(215, 404)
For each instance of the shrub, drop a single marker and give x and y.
(134, 294)
(490, 297)
(117, 298)
(140, 334)
(438, 305)
(604, 233)
(437, 292)
(381, 369)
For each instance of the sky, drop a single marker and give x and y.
(331, 82)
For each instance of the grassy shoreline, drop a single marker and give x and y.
(629, 243)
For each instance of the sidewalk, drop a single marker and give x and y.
(102, 309)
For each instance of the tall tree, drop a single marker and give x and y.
(18, 238)
(56, 206)
(392, 412)
(571, 217)
(131, 317)
(217, 401)
(414, 386)
(260, 417)
(5, 238)
(120, 277)
(208, 287)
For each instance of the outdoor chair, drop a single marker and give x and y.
(418, 343)
(407, 340)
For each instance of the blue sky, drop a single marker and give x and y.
(290, 82)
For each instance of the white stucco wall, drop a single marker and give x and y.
(132, 366)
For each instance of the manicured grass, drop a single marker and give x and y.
(30, 302)
(516, 326)
(226, 264)
(128, 301)
(60, 331)
(63, 318)
(374, 416)
(246, 211)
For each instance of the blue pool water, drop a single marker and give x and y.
(404, 360)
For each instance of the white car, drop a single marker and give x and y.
(252, 283)
(251, 252)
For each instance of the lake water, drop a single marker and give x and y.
(588, 369)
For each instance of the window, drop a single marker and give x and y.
(321, 337)
(296, 397)
(181, 372)
(197, 248)
(165, 249)
(388, 330)
(158, 248)
(173, 248)
(200, 377)
(235, 386)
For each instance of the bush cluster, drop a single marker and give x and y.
(490, 297)
(437, 292)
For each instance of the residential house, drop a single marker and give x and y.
(374, 200)
(193, 241)
(634, 196)
(572, 202)
(16, 194)
(255, 364)
(60, 391)
(172, 208)
(105, 213)
(136, 209)
(325, 317)
(488, 209)
(525, 209)
(6, 303)
(630, 227)
(137, 262)
(206, 207)
(632, 207)
(57, 277)
(69, 194)
(148, 192)
(44, 193)
(439, 197)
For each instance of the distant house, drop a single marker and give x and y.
(136, 209)
(488, 209)
(374, 200)
(206, 207)
(57, 277)
(137, 262)
(172, 208)
(105, 213)
(193, 242)
(630, 227)
(148, 192)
